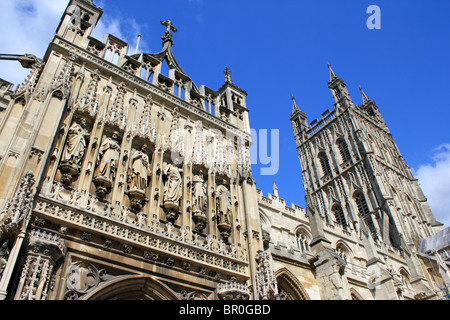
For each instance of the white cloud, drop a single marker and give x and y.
(29, 25)
(435, 181)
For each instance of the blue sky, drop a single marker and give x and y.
(276, 49)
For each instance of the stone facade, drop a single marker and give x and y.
(366, 211)
(136, 183)
(118, 181)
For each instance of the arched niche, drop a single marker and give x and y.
(132, 288)
(289, 287)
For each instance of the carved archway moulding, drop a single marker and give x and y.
(132, 287)
(289, 282)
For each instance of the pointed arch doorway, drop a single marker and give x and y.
(132, 288)
(289, 287)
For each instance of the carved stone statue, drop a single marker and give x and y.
(74, 151)
(223, 204)
(139, 169)
(108, 158)
(199, 194)
(199, 199)
(172, 190)
(76, 143)
(138, 174)
(223, 210)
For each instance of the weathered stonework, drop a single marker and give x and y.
(118, 181)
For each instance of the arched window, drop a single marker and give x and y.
(303, 242)
(364, 212)
(343, 150)
(339, 216)
(326, 169)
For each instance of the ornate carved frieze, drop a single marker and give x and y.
(151, 236)
(233, 290)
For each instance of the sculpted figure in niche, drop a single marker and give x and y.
(76, 143)
(139, 169)
(199, 201)
(199, 194)
(223, 204)
(108, 157)
(173, 185)
(173, 189)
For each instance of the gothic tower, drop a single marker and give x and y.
(122, 181)
(355, 179)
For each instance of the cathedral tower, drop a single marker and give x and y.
(355, 178)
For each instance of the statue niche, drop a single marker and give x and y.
(223, 210)
(107, 161)
(138, 177)
(74, 151)
(199, 202)
(173, 188)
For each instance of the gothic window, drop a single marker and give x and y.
(326, 169)
(302, 242)
(343, 151)
(364, 212)
(339, 216)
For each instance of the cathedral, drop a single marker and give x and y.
(122, 181)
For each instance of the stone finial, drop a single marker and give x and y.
(227, 73)
(167, 36)
(275, 188)
(364, 95)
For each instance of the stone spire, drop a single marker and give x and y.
(295, 107)
(332, 73)
(364, 95)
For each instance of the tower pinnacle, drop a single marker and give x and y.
(295, 107)
(332, 73)
(364, 95)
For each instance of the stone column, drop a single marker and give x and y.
(43, 251)
(13, 223)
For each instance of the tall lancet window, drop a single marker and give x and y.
(343, 150)
(323, 159)
(364, 213)
(339, 216)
